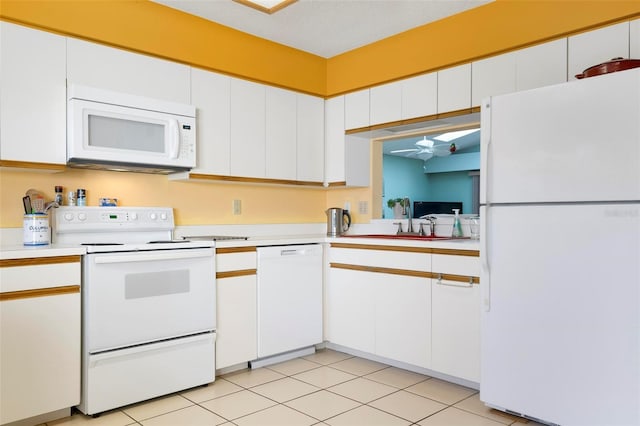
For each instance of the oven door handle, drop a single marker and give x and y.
(153, 256)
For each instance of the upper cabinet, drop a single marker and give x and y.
(334, 127)
(419, 96)
(541, 65)
(356, 109)
(493, 76)
(634, 39)
(281, 134)
(454, 88)
(95, 65)
(211, 95)
(598, 46)
(32, 95)
(385, 103)
(310, 139)
(248, 128)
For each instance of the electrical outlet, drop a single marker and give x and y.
(363, 207)
(237, 207)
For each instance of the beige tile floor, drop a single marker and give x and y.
(326, 388)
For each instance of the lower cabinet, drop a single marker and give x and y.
(380, 309)
(419, 306)
(455, 318)
(236, 325)
(39, 336)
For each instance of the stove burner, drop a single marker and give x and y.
(101, 244)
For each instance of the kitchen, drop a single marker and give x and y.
(270, 207)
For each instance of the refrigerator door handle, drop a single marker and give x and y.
(485, 141)
(485, 281)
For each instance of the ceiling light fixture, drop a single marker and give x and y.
(266, 6)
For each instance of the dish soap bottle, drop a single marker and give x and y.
(457, 227)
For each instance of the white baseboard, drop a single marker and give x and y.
(262, 362)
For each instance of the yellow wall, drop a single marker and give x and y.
(146, 27)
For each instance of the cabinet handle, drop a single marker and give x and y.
(454, 284)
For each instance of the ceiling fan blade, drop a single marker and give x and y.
(398, 151)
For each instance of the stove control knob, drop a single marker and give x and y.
(153, 216)
(68, 216)
(82, 216)
(163, 216)
(134, 216)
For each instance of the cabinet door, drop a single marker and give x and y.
(420, 96)
(456, 329)
(280, 134)
(594, 47)
(403, 318)
(247, 129)
(334, 139)
(236, 339)
(210, 93)
(32, 95)
(310, 139)
(634, 39)
(357, 161)
(385, 103)
(541, 65)
(356, 109)
(454, 88)
(40, 355)
(493, 76)
(351, 309)
(96, 65)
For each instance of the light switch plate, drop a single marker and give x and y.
(237, 207)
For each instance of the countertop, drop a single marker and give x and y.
(17, 251)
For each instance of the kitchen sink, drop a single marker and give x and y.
(400, 237)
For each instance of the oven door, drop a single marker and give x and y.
(137, 297)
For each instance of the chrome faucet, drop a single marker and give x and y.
(432, 226)
(406, 209)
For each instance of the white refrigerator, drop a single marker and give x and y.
(560, 252)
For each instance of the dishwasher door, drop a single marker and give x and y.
(289, 298)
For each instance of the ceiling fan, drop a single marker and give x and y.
(427, 148)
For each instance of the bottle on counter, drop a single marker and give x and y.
(82, 197)
(59, 198)
(457, 227)
(71, 198)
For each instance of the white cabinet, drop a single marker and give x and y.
(39, 336)
(419, 96)
(403, 318)
(385, 103)
(356, 109)
(236, 299)
(454, 88)
(594, 47)
(351, 309)
(334, 140)
(247, 157)
(493, 76)
(211, 95)
(310, 139)
(32, 95)
(96, 65)
(541, 65)
(280, 134)
(357, 157)
(634, 39)
(376, 306)
(456, 316)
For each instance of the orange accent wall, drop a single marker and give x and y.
(146, 27)
(487, 30)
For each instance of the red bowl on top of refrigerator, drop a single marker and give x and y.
(614, 65)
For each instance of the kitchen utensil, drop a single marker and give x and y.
(38, 205)
(616, 64)
(26, 202)
(338, 221)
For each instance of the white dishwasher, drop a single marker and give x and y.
(289, 298)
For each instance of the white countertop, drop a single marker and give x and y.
(23, 252)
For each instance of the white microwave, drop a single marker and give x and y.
(115, 131)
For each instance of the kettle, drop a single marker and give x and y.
(338, 221)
